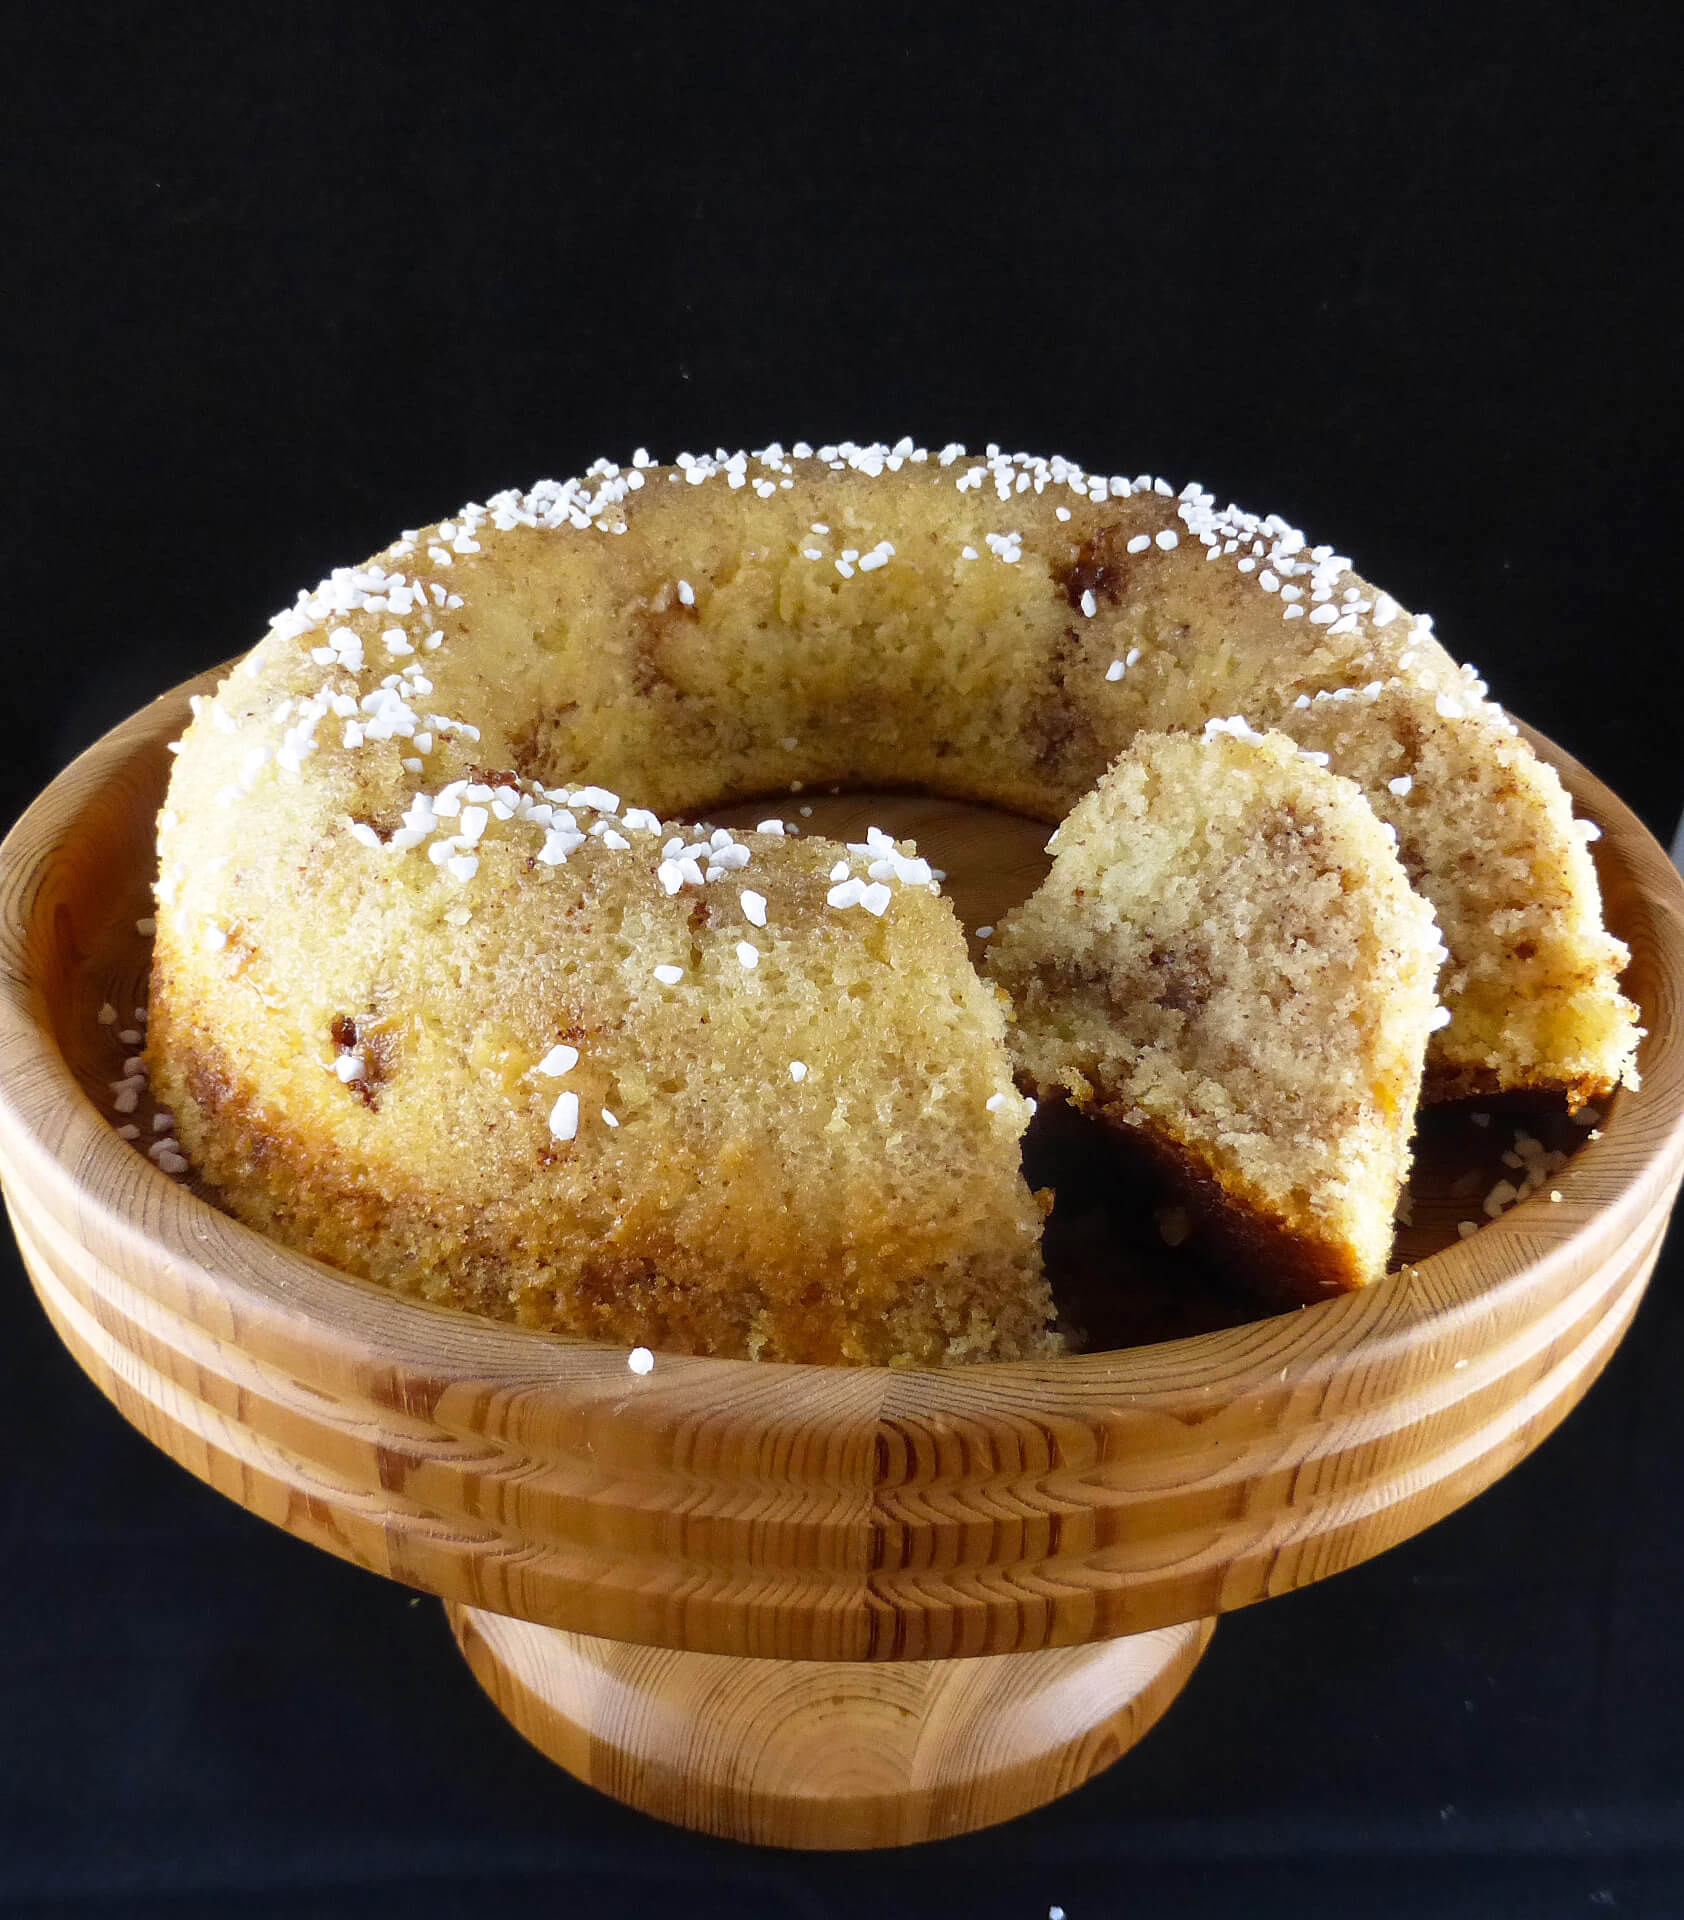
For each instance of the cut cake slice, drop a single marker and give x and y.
(1227, 964)
(1486, 833)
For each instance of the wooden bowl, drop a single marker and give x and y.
(808, 1606)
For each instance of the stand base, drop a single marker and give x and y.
(796, 1753)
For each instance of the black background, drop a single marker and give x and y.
(274, 284)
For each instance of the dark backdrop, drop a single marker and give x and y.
(273, 284)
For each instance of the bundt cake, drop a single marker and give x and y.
(420, 843)
(1228, 965)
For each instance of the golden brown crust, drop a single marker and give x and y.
(1289, 1267)
(809, 1303)
(1445, 1082)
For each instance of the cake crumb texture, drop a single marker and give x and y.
(1228, 965)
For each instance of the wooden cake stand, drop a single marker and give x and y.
(807, 1606)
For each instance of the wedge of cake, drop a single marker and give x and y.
(1228, 965)
(1486, 833)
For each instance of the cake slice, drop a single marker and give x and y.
(1486, 832)
(1227, 965)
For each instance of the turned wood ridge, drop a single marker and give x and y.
(772, 1514)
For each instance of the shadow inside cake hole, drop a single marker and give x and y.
(1126, 1263)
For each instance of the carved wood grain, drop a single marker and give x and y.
(821, 1753)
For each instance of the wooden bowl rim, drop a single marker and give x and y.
(52, 1130)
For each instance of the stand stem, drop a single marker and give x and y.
(796, 1753)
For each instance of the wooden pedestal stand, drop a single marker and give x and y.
(827, 1753)
(804, 1606)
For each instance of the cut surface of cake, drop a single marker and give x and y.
(1487, 835)
(1227, 965)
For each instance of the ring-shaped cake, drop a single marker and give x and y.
(444, 996)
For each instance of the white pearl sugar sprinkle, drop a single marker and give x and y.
(559, 1060)
(564, 1117)
(641, 1360)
